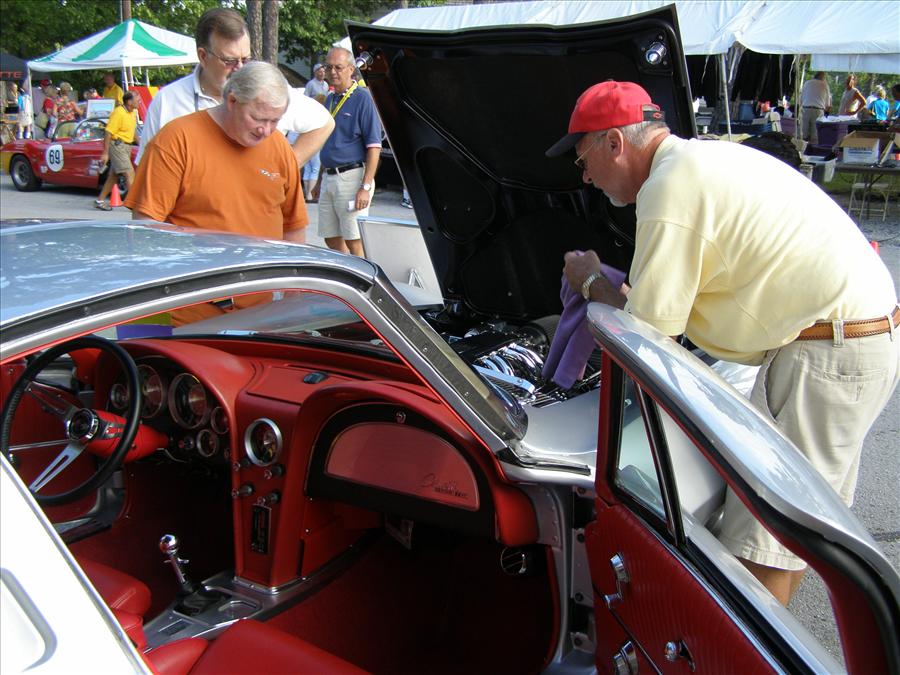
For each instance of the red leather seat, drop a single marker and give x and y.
(247, 647)
(119, 590)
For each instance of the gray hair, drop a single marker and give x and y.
(348, 55)
(640, 133)
(258, 80)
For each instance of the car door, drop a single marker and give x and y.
(668, 597)
(75, 160)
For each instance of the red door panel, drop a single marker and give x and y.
(661, 602)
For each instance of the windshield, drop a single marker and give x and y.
(292, 315)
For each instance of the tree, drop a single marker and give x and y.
(254, 25)
(270, 31)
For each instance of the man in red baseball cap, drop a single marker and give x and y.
(811, 303)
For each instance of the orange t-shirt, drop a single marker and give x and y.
(192, 174)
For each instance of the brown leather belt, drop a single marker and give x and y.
(825, 330)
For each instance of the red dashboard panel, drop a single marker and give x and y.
(403, 459)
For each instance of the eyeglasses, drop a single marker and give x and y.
(232, 63)
(337, 69)
(581, 159)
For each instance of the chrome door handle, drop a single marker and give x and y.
(625, 660)
(613, 600)
(675, 650)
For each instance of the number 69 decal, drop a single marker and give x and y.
(53, 157)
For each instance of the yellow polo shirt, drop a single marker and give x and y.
(741, 252)
(114, 91)
(122, 124)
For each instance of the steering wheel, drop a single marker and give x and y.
(85, 428)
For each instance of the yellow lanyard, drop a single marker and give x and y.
(334, 111)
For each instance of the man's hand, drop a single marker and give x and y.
(316, 189)
(579, 266)
(362, 199)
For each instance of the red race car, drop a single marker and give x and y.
(71, 157)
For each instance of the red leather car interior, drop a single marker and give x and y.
(133, 625)
(247, 647)
(662, 601)
(119, 590)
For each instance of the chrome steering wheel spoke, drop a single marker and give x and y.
(50, 401)
(59, 463)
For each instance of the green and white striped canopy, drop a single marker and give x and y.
(131, 43)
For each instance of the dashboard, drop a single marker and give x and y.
(176, 403)
(317, 443)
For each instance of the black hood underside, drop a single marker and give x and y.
(469, 115)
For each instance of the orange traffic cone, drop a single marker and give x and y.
(876, 247)
(115, 199)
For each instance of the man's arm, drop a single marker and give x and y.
(363, 197)
(297, 236)
(309, 143)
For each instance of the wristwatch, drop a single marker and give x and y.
(366, 186)
(586, 286)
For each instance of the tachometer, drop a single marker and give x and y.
(153, 389)
(188, 401)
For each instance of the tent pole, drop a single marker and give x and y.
(725, 94)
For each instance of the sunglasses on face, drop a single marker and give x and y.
(232, 63)
(583, 156)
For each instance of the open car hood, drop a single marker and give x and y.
(469, 115)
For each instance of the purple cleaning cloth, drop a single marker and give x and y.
(573, 343)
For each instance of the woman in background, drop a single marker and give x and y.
(852, 99)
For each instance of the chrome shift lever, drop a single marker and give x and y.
(169, 544)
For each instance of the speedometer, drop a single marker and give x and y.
(188, 401)
(153, 390)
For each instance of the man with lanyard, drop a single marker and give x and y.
(712, 261)
(349, 157)
(117, 143)
(223, 47)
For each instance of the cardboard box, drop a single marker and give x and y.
(864, 147)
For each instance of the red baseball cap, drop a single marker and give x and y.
(604, 106)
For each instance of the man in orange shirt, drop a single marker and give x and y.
(224, 168)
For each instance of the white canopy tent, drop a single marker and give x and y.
(841, 36)
(127, 45)
(854, 34)
(707, 26)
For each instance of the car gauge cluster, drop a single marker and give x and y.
(178, 404)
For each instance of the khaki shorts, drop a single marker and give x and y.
(335, 219)
(119, 157)
(825, 399)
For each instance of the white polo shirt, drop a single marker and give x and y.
(176, 99)
(303, 114)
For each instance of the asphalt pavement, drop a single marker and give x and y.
(877, 495)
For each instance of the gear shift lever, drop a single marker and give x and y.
(168, 544)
